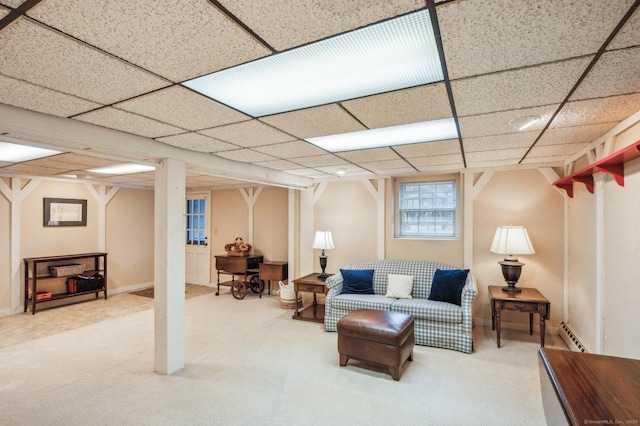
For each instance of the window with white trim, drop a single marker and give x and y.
(427, 209)
(196, 221)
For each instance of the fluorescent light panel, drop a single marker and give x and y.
(123, 169)
(426, 131)
(391, 55)
(15, 153)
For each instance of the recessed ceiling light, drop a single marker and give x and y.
(123, 169)
(341, 172)
(391, 55)
(522, 123)
(426, 131)
(15, 153)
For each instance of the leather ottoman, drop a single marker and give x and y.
(378, 337)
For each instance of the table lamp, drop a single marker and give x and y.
(511, 240)
(323, 241)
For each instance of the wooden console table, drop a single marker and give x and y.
(582, 389)
(528, 300)
(312, 284)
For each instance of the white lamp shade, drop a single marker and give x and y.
(323, 241)
(512, 240)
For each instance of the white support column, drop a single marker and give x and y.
(378, 195)
(306, 232)
(103, 198)
(169, 266)
(292, 235)
(599, 183)
(469, 195)
(250, 197)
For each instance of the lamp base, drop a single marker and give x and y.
(511, 270)
(511, 289)
(323, 276)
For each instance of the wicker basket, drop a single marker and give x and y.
(290, 303)
(238, 248)
(66, 270)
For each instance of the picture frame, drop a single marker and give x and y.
(65, 212)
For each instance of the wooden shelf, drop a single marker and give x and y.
(613, 164)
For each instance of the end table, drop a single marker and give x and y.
(311, 284)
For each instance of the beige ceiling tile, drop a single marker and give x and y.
(437, 160)
(128, 122)
(551, 161)
(497, 123)
(512, 154)
(245, 155)
(566, 150)
(38, 55)
(350, 170)
(83, 160)
(527, 87)
(28, 96)
(4, 163)
(593, 111)
(292, 23)
(485, 36)
(291, 149)
(4, 12)
(26, 168)
(444, 168)
(389, 166)
(564, 135)
(482, 164)
(628, 35)
(248, 134)
(450, 146)
(184, 108)
(417, 104)
(311, 122)
(278, 164)
(177, 39)
(197, 142)
(310, 173)
(12, 3)
(615, 73)
(319, 160)
(374, 154)
(500, 142)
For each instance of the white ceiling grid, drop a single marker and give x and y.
(119, 65)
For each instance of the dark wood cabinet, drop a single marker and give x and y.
(37, 277)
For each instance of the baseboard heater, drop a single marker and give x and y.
(570, 339)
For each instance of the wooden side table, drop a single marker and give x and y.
(276, 271)
(311, 284)
(528, 300)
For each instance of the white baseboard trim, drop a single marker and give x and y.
(129, 289)
(520, 326)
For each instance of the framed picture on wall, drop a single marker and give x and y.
(65, 212)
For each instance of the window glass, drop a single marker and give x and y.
(427, 209)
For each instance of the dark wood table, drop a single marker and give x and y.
(582, 389)
(312, 284)
(274, 271)
(528, 300)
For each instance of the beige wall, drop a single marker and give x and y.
(271, 224)
(129, 239)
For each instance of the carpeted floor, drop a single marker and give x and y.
(249, 363)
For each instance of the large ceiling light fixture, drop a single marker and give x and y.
(426, 131)
(391, 55)
(15, 153)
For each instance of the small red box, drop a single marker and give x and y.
(42, 295)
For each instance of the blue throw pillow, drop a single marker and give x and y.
(357, 281)
(447, 285)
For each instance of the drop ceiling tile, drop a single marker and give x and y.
(197, 142)
(351, 170)
(577, 134)
(310, 173)
(486, 36)
(450, 146)
(522, 88)
(375, 154)
(483, 164)
(4, 12)
(594, 111)
(497, 123)
(25, 95)
(287, 24)
(278, 164)
(26, 168)
(615, 73)
(245, 155)
(500, 142)
(46, 58)
(566, 150)
(128, 122)
(552, 161)
(445, 168)
(184, 108)
(512, 154)
(178, 40)
(248, 134)
(83, 160)
(291, 149)
(628, 35)
(312, 122)
(12, 3)
(319, 160)
(417, 104)
(4, 163)
(437, 160)
(388, 166)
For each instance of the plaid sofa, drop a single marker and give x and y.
(438, 324)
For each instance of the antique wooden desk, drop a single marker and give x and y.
(240, 266)
(528, 300)
(581, 388)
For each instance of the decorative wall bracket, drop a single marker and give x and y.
(613, 164)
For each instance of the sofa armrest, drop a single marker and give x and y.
(334, 284)
(469, 293)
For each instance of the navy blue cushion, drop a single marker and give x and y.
(357, 281)
(447, 285)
